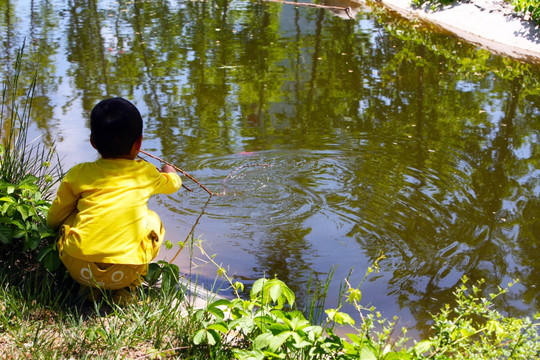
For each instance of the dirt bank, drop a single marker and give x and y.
(491, 24)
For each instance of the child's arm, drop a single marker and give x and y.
(63, 205)
(170, 181)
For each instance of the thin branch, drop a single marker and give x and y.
(178, 169)
(328, 7)
(191, 231)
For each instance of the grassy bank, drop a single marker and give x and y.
(42, 316)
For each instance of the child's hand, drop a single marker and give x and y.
(167, 169)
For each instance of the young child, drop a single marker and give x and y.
(107, 234)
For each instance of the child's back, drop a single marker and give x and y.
(101, 206)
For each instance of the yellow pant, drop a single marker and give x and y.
(110, 276)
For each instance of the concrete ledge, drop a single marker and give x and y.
(491, 24)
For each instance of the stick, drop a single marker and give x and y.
(177, 169)
(191, 231)
(329, 7)
(184, 186)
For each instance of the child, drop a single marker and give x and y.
(107, 234)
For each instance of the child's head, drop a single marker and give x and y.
(115, 126)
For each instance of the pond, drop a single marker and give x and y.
(327, 140)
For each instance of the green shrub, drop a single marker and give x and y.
(268, 326)
(531, 7)
(22, 224)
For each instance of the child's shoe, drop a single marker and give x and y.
(89, 293)
(124, 296)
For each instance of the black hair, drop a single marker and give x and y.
(115, 125)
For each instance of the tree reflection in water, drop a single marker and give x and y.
(385, 136)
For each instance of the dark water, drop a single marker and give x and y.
(328, 140)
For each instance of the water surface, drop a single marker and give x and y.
(328, 141)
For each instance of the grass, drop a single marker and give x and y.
(38, 321)
(43, 317)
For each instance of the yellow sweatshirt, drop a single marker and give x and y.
(110, 199)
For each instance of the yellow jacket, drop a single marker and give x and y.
(108, 199)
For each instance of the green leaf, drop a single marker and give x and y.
(355, 295)
(217, 312)
(19, 224)
(19, 233)
(339, 317)
(257, 287)
(199, 337)
(31, 243)
(244, 323)
(44, 251)
(278, 328)
(248, 354)
(210, 337)
(48, 234)
(23, 210)
(270, 354)
(402, 355)
(219, 326)
(220, 302)
(52, 261)
(367, 353)
(494, 326)
(262, 341)
(355, 338)
(466, 332)
(28, 179)
(154, 271)
(279, 339)
(238, 286)
(6, 234)
(5, 220)
(423, 346)
(275, 292)
(289, 294)
(169, 276)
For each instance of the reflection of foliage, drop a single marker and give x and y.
(461, 59)
(42, 46)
